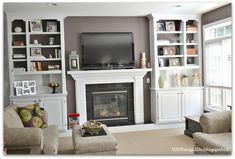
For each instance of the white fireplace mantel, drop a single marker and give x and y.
(82, 78)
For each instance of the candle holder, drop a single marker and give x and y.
(53, 85)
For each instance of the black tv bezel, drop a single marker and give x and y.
(107, 66)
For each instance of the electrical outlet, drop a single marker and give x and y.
(148, 80)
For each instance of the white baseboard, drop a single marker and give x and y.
(130, 128)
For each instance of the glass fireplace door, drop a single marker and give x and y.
(110, 104)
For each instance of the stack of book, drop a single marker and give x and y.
(36, 66)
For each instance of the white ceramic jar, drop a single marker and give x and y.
(18, 29)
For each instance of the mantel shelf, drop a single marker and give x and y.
(109, 73)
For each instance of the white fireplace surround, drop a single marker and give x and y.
(82, 78)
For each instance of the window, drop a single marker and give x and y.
(217, 64)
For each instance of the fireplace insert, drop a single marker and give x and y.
(110, 104)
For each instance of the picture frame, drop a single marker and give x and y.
(36, 51)
(174, 62)
(170, 26)
(25, 84)
(32, 90)
(32, 83)
(26, 91)
(35, 26)
(18, 84)
(51, 26)
(170, 50)
(19, 91)
(161, 26)
(73, 61)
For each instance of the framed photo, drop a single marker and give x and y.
(32, 90)
(174, 62)
(73, 61)
(36, 51)
(170, 26)
(26, 91)
(161, 26)
(51, 27)
(18, 84)
(169, 50)
(19, 91)
(36, 26)
(25, 84)
(32, 83)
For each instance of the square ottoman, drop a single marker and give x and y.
(94, 145)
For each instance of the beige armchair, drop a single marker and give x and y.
(19, 139)
(216, 137)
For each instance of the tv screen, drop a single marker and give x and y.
(107, 49)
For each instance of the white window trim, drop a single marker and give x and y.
(206, 102)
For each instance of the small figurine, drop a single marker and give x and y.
(177, 80)
(184, 82)
(195, 79)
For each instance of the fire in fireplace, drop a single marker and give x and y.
(110, 104)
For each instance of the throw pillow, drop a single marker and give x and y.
(32, 116)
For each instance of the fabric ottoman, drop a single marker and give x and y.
(94, 145)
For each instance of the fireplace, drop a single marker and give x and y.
(111, 104)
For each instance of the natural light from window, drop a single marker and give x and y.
(217, 64)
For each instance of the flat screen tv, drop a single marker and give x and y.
(107, 50)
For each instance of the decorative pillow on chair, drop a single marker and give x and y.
(32, 116)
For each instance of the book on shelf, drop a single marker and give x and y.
(36, 66)
(19, 56)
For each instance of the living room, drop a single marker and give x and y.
(103, 78)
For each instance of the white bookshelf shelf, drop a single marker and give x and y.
(191, 32)
(191, 43)
(169, 56)
(19, 60)
(169, 32)
(22, 33)
(179, 67)
(43, 33)
(47, 59)
(45, 46)
(18, 47)
(39, 72)
(170, 44)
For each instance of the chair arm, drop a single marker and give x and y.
(216, 122)
(20, 137)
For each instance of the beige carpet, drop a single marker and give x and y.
(151, 142)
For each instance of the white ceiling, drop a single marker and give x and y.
(114, 8)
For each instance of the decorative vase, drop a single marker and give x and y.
(143, 61)
(18, 29)
(161, 82)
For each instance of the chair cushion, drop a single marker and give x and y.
(32, 116)
(215, 143)
(11, 117)
(50, 140)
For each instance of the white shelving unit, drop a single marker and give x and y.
(22, 68)
(182, 45)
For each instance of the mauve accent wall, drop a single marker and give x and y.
(138, 25)
(6, 84)
(217, 14)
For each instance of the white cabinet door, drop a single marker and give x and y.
(169, 106)
(192, 102)
(54, 109)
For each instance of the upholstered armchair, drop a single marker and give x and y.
(20, 139)
(216, 137)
